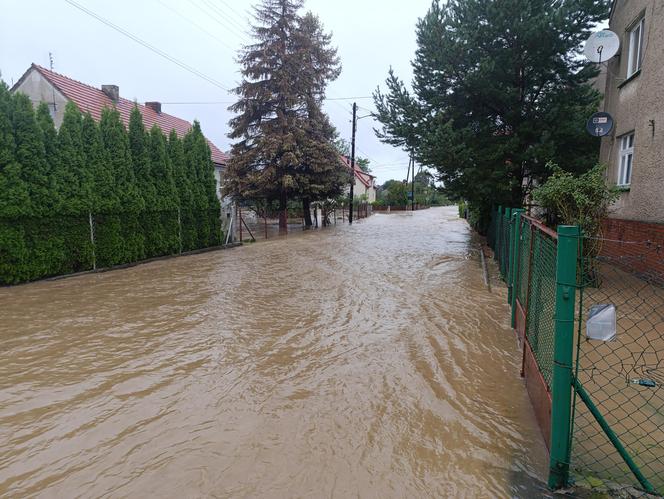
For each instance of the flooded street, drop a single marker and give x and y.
(363, 361)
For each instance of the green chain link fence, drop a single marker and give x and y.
(621, 381)
(606, 413)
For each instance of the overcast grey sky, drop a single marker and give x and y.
(371, 36)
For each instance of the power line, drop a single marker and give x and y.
(351, 98)
(216, 18)
(224, 15)
(201, 28)
(233, 102)
(154, 49)
(239, 14)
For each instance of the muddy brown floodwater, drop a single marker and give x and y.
(363, 361)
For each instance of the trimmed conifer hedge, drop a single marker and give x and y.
(94, 195)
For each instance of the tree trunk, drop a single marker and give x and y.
(283, 213)
(306, 209)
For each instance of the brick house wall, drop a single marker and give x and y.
(639, 244)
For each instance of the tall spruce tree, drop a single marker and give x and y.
(166, 198)
(284, 139)
(322, 175)
(116, 156)
(499, 89)
(266, 157)
(14, 200)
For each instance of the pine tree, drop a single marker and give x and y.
(14, 200)
(265, 159)
(183, 181)
(321, 175)
(498, 91)
(116, 157)
(166, 199)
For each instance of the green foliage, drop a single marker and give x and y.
(395, 193)
(57, 189)
(498, 91)
(582, 200)
(184, 183)
(166, 198)
(284, 146)
(116, 156)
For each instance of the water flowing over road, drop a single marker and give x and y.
(363, 361)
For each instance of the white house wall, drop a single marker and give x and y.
(39, 89)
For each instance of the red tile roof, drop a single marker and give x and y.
(93, 100)
(363, 177)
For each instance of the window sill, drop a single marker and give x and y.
(634, 76)
(624, 188)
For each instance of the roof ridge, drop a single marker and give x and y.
(134, 102)
(67, 86)
(42, 69)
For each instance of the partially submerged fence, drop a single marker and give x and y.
(600, 404)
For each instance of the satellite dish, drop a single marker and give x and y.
(600, 124)
(601, 46)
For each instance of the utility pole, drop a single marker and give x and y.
(412, 185)
(352, 164)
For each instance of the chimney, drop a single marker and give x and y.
(111, 91)
(155, 106)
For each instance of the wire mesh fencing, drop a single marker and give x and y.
(540, 312)
(618, 432)
(616, 409)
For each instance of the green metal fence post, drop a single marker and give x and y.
(507, 244)
(514, 266)
(499, 234)
(561, 392)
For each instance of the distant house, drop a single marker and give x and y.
(56, 90)
(365, 184)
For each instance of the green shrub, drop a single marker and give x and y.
(582, 200)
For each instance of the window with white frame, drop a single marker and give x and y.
(626, 159)
(635, 56)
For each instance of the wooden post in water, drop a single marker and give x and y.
(239, 220)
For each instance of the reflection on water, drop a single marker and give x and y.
(356, 361)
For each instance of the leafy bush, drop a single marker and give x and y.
(582, 200)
